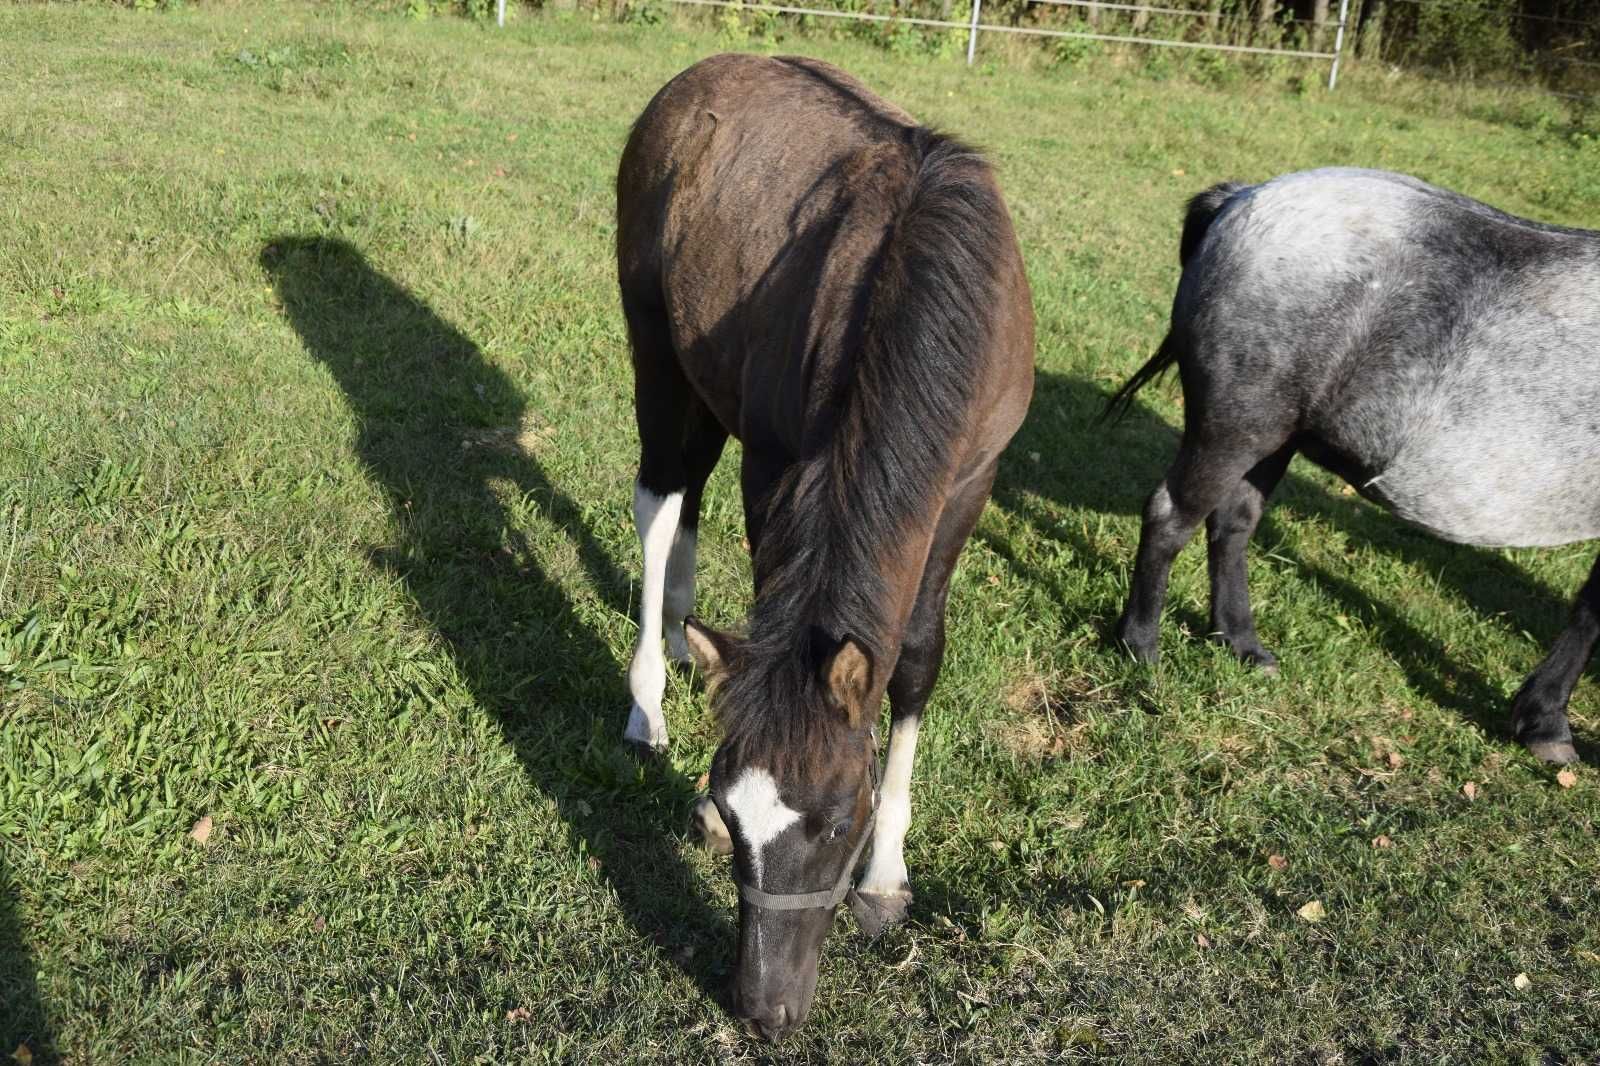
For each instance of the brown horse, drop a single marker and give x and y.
(807, 269)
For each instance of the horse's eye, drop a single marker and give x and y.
(840, 830)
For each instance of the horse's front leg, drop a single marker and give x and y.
(884, 893)
(883, 896)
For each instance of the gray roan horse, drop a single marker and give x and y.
(807, 269)
(1439, 355)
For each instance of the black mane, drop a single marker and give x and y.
(925, 326)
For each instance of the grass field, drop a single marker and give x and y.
(316, 450)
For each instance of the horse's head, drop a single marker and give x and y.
(794, 785)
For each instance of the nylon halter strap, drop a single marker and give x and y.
(828, 898)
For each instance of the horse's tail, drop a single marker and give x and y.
(1122, 399)
(1199, 215)
(1201, 212)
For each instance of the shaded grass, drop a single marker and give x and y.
(314, 460)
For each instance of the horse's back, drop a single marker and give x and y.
(756, 197)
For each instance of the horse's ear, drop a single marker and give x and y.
(711, 650)
(848, 673)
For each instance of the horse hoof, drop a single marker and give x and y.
(706, 823)
(678, 649)
(1555, 752)
(1144, 647)
(876, 912)
(643, 751)
(642, 736)
(1261, 660)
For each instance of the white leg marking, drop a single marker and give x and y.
(680, 592)
(758, 813)
(656, 519)
(886, 868)
(1160, 504)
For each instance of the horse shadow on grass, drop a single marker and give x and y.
(1111, 469)
(23, 1023)
(440, 434)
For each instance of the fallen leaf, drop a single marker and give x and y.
(1470, 790)
(1178, 173)
(22, 1055)
(1396, 760)
(1589, 955)
(1313, 911)
(1566, 778)
(511, 136)
(1522, 982)
(1277, 862)
(594, 863)
(702, 782)
(1083, 1036)
(518, 1014)
(1382, 841)
(1133, 884)
(1201, 940)
(200, 832)
(319, 923)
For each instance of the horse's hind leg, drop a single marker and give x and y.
(1228, 531)
(1539, 711)
(1207, 470)
(884, 893)
(702, 447)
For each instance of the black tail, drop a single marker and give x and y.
(1199, 215)
(1197, 219)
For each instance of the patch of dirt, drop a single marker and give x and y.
(1046, 720)
(512, 440)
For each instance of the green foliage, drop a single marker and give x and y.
(1216, 69)
(1470, 37)
(1070, 51)
(645, 12)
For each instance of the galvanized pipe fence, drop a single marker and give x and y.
(976, 25)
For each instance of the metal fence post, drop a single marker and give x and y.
(500, 13)
(972, 31)
(1338, 44)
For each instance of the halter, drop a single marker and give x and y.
(828, 898)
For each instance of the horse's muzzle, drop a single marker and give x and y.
(771, 1025)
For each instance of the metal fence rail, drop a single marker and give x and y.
(975, 25)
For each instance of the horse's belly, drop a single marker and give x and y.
(1492, 500)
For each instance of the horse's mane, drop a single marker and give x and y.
(926, 320)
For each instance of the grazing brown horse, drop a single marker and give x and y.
(807, 269)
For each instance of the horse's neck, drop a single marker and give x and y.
(891, 574)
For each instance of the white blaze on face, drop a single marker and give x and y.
(759, 816)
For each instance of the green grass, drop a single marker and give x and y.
(315, 458)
